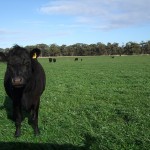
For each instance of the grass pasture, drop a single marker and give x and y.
(100, 103)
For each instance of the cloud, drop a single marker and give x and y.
(33, 22)
(71, 7)
(101, 14)
(8, 36)
(84, 20)
(33, 35)
(7, 32)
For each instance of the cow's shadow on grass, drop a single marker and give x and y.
(39, 146)
(87, 142)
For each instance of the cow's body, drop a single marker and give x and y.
(24, 83)
(54, 60)
(50, 60)
(76, 59)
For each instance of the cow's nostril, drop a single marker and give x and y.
(17, 81)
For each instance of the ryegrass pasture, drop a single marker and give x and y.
(100, 103)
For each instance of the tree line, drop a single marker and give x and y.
(80, 49)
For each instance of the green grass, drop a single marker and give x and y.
(97, 104)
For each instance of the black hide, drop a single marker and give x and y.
(24, 83)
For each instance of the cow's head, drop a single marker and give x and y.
(19, 64)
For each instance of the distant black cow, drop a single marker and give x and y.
(76, 59)
(54, 60)
(50, 59)
(24, 83)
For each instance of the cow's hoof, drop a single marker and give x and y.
(36, 132)
(17, 134)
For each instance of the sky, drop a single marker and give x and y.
(68, 22)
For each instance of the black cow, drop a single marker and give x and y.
(76, 59)
(24, 83)
(50, 60)
(54, 60)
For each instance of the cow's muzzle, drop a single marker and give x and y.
(18, 82)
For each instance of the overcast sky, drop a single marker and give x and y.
(31, 22)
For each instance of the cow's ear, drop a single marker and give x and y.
(35, 53)
(3, 57)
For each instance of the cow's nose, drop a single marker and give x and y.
(17, 81)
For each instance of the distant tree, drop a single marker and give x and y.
(54, 50)
(80, 49)
(147, 47)
(101, 49)
(114, 48)
(44, 49)
(30, 47)
(6, 50)
(70, 50)
(142, 45)
(109, 49)
(1, 50)
(128, 49)
(136, 48)
(63, 50)
(84, 50)
(92, 49)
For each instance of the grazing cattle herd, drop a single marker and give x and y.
(52, 60)
(24, 83)
(76, 59)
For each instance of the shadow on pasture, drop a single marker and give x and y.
(46, 146)
(34, 146)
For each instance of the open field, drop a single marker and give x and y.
(97, 104)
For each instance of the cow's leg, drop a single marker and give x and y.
(34, 113)
(17, 118)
